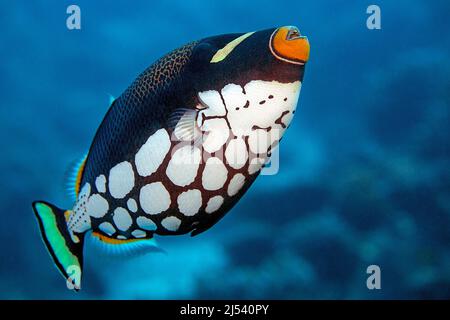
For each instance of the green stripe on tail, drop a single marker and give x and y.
(67, 254)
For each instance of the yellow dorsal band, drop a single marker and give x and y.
(79, 176)
(225, 51)
(113, 241)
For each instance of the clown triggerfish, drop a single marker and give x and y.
(181, 145)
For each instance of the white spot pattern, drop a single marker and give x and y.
(255, 165)
(171, 223)
(100, 183)
(121, 180)
(259, 141)
(132, 205)
(152, 153)
(146, 223)
(214, 204)
(154, 198)
(97, 206)
(138, 233)
(107, 228)
(214, 175)
(255, 108)
(236, 153)
(183, 166)
(236, 183)
(189, 202)
(217, 133)
(122, 219)
(213, 101)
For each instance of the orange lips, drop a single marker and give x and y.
(287, 44)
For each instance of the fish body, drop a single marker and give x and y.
(179, 148)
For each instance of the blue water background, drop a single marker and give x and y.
(365, 167)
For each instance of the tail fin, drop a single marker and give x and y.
(67, 253)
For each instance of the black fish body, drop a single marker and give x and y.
(182, 144)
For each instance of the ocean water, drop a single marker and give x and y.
(364, 169)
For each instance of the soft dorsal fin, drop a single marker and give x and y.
(128, 247)
(73, 177)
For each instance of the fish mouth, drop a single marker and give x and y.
(289, 45)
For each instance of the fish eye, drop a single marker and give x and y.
(202, 52)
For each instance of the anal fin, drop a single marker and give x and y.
(127, 247)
